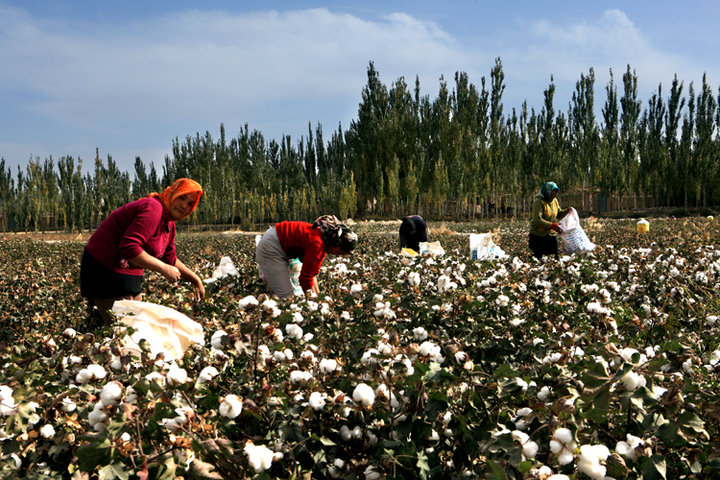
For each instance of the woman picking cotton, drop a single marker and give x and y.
(309, 242)
(137, 236)
(543, 221)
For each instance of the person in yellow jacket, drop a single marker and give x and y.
(543, 221)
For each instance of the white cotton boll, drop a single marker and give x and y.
(565, 457)
(384, 348)
(47, 431)
(308, 356)
(428, 349)
(207, 374)
(368, 357)
(530, 449)
(216, 339)
(230, 407)
(711, 320)
(177, 375)
(83, 376)
(632, 381)
(357, 433)
(259, 456)
(328, 365)
(130, 395)
(97, 416)
(447, 416)
(563, 435)
(524, 412)
(116, 364)
(269, 305)
(364, 395)
(97, 372)
(502, 300)
(68, 405)
(345, 433)
(544, 393)
(5, 393)
(590, 458)
(111, 393)
(317, 400)
(537, 341)
(687, 366)
(294, 331)
(155, 377)
(300, 378)
(298, 318)
(370, 472)
(419, 333)
(70, 333)
(279, 357)
(356, 289)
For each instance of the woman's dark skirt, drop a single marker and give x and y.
(98, 281)
(546, 245)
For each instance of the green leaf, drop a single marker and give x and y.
(113, 471)
(94, 454)
(422, 464)
(655, 468)
(505, 370)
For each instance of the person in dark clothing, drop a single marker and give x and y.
(413, 230)
(544, 229)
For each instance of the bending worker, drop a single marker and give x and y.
(309, 242)
(543, 221)
(137, 236)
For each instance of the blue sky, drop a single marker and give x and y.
(127, 77)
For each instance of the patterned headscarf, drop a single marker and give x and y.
(181, 186)
(546, 190)
(336, 234)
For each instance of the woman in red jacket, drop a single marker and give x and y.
(309, 242)
(139, 235)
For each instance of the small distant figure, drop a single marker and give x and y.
(307, 242)
(413, 231)
(543, 221)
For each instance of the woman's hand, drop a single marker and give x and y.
(198, 289)
(315, 288)
(190, 276)
(171, 273)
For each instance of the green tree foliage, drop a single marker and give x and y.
(457, 156)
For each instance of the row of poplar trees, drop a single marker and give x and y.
(457, 156)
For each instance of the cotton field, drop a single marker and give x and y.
(597, 366)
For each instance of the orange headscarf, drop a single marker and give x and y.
(181, 186)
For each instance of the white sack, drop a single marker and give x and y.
(165, 329)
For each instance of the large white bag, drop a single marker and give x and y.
(225, 268)
(165, 329)
(573, 237)
(482, 247)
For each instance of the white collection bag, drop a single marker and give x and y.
(225, 268)
(482, 247)
(573, 236)
(431, 248)
(165, 329)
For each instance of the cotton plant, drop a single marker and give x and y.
(563, 445)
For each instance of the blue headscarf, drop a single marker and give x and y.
(546, 190)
